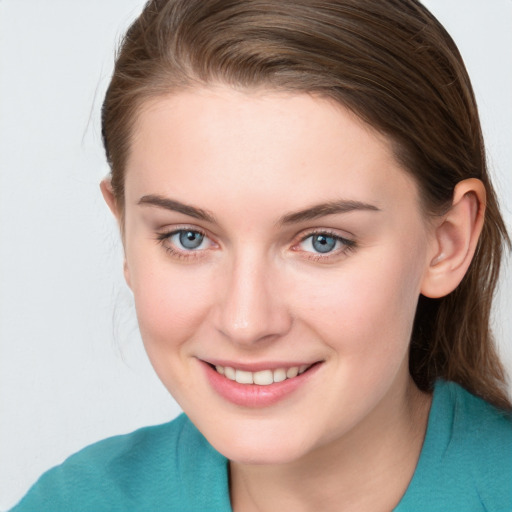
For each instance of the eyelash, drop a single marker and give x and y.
(347, 245)
(164, 237)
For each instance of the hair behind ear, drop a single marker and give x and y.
(451, 336)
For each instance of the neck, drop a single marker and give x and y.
(368, 469)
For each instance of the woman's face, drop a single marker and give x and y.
(266, 234)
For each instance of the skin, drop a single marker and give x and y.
(256, 290)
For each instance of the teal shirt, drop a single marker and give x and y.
(465, 466)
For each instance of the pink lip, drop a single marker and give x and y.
(252, 395)
(256, 367)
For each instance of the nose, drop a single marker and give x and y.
(251, 307)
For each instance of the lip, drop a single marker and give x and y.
(252, 395)
(257, 367)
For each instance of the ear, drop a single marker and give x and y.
(108, 195)
(456, 237)
(110, 199)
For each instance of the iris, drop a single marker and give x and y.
(323, 243)
(190, 239)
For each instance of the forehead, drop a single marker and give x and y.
(266, 145)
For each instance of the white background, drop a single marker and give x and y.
(72, 369)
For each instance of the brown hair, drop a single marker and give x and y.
(390, 62)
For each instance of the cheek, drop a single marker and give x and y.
(367, 307)
(171, 302)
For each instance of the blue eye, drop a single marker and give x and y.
(186, 244)
(324, 243)
(188, 240)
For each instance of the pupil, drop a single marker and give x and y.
(323, 243)
(191, 239)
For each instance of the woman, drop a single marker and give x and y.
(312, 242)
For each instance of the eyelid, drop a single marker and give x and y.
(345, 236)
(169, 231)
(349, 244)
(163, 235)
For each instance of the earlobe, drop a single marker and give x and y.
(126, 272)
(456, 237)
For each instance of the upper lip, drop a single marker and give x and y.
(258, 366)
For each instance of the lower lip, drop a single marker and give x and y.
(253, 395)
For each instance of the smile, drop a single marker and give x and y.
(258, 387)
(263, 377)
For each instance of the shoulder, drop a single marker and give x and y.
(475, 424)
(466, 460)
(149, 469)
(481, 442)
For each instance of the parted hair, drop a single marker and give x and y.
(391, 63)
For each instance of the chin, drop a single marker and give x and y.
(256, 456)
(269, 448)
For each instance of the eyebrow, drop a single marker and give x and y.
(313, 212)
(176, 206)
(329, 208)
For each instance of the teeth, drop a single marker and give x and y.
(279, 375)
(292, 372)
(243, 377)
(263, 377)
(229, 373)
